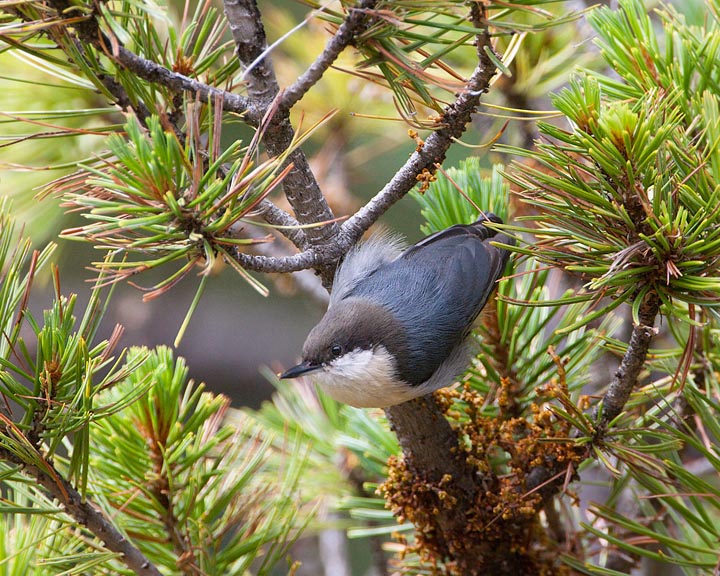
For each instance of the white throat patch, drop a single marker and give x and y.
(364, 378)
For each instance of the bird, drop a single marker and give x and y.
(399, 321)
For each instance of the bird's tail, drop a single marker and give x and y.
(495, 236)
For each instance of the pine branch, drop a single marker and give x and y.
(251, 112)
(323, 245)
(86, 514)
(89, 31)
(357, 21)
(455, 120)
(122, 99)
(633, 361)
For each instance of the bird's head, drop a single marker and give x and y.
(353, 352)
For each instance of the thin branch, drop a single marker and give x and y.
(306, 280)
(122, 99)
(633, 361)
(301, 261)
(162, 489)
(88, 515)
(356, 22)
(252, 113)
(89, 31)
(454, 121)
(278, 217)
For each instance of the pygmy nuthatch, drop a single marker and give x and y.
(399, 321)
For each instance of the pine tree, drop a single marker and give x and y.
(599, 359)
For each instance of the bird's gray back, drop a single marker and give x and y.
(363, 260)
(436, 289)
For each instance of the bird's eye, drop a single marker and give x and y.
(336, 350)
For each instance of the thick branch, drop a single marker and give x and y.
(431, 453)
(246, 26)
(356, 22)
(429, 443)
(626, 376)
(87, 515)
(300, 186)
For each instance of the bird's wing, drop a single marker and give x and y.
(436, 289)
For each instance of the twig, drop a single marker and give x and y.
(89, 31)
(162, 490)
(306, 280)
(252, 112)
(278, 217)
(356, 22)
(88, 515)
(626, 375)
(454, 122)
(301, 261)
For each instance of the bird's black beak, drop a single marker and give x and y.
(300, 369)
